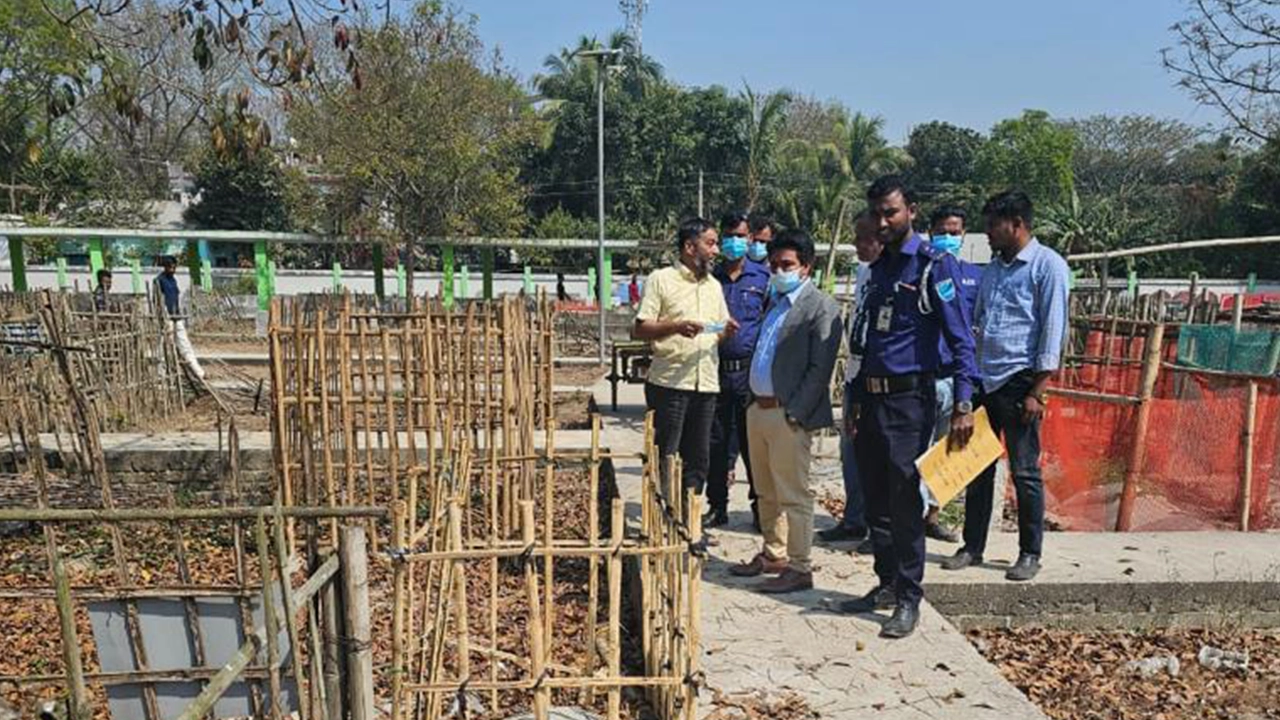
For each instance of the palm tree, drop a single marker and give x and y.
(768, 113)
(570, 76)
(865, 154)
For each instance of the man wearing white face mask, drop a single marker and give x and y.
(946, 234)
(790, 383)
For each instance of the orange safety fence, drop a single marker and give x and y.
(1191, 475)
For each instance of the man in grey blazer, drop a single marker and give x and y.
(791, 388)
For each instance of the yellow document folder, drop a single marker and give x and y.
(948, 472)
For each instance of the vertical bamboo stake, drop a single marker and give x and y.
(1246, 483)
(593, 562)
(398, 665)
(280, 390)
(345, 391)
(355, 586)
(615, 608)
(1138, 452)
(460, 604)
(269, 618)
(290, 613)
(548, 532)
(538, 660)
(330, 489)
(693, 635)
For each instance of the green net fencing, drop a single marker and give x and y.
(1219, 347)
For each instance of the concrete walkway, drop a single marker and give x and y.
(798, 643)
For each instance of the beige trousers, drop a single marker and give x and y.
(780, 457)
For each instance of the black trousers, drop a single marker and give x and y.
(893, 431)
(728, 442)
(1022, 440)
(682, 424)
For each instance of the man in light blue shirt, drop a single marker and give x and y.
(790, 380)
(1020, 325)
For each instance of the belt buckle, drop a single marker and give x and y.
(878, 386)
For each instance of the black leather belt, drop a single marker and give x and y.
(735, 365)
(896, 383)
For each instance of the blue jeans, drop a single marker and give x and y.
(854, 502)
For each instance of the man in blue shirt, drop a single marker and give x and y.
(167, 284)
(745, 284)
(908, 313)
(946, 235)
(1021, 322)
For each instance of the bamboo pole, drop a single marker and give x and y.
(693, 637)
(615, 607)
(1246, 481)
(541, 692)
(291, 614)
(222, 681)
(398, 664)
(461, 625)
(269, 619)
(1138, 451)
(355, 587)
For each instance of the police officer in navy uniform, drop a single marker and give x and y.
(745, 284)
(914, 300)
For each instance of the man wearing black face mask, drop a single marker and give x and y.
(744, 284)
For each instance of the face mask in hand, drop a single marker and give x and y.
(947, 243)
(758, 251)
(733, 247)
(785, 281)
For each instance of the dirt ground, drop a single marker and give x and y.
(579, 375)
(1083, 676)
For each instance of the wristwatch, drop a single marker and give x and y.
(964, 407)
(1042, 398)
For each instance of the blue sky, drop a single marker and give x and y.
(969, 62)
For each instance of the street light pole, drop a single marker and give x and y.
(602, 57)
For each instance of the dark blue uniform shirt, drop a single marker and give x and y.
(745, 297)
(902, 338)
(968, 280)
(168, 285)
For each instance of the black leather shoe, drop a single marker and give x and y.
(903, 622)
(1023, 570)
(881, 598)
(715, 518)
(961, 560)
(938, 531)
(840, 533)
(866, 547)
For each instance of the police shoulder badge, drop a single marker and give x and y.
(946, 290)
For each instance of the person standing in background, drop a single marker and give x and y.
(762, 232)
(102, 292)
(745, 285)
(853, 524)
(1021, 322)
(946, 235)
(167, 285)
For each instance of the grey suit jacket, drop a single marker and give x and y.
(806, 356)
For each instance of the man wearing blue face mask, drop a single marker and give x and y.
(946, 235)
(790, 381)
(744, 284)
(762, 232)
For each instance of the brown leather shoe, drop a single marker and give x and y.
(759, 565)
(789, 581)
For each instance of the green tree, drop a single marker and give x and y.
(944, 161)
(240, 193)
(1032, 153)
(432, 140)
(762, 128)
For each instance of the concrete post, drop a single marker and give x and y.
(262, 271)
(337, 276)
(18, 264)
(97, 260)
(379, 282)
(135, 274)
(606, 287)
(400, 279)
(528, 280)
(487, 258)
(206, 274)
(62, 273)
(591, 283)
(464, 283)
(193, 258)
(446, 284)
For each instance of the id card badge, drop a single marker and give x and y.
(884, 318)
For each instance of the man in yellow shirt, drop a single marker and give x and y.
(684, 315)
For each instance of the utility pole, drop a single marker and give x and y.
(700, 193)
(602, 293)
